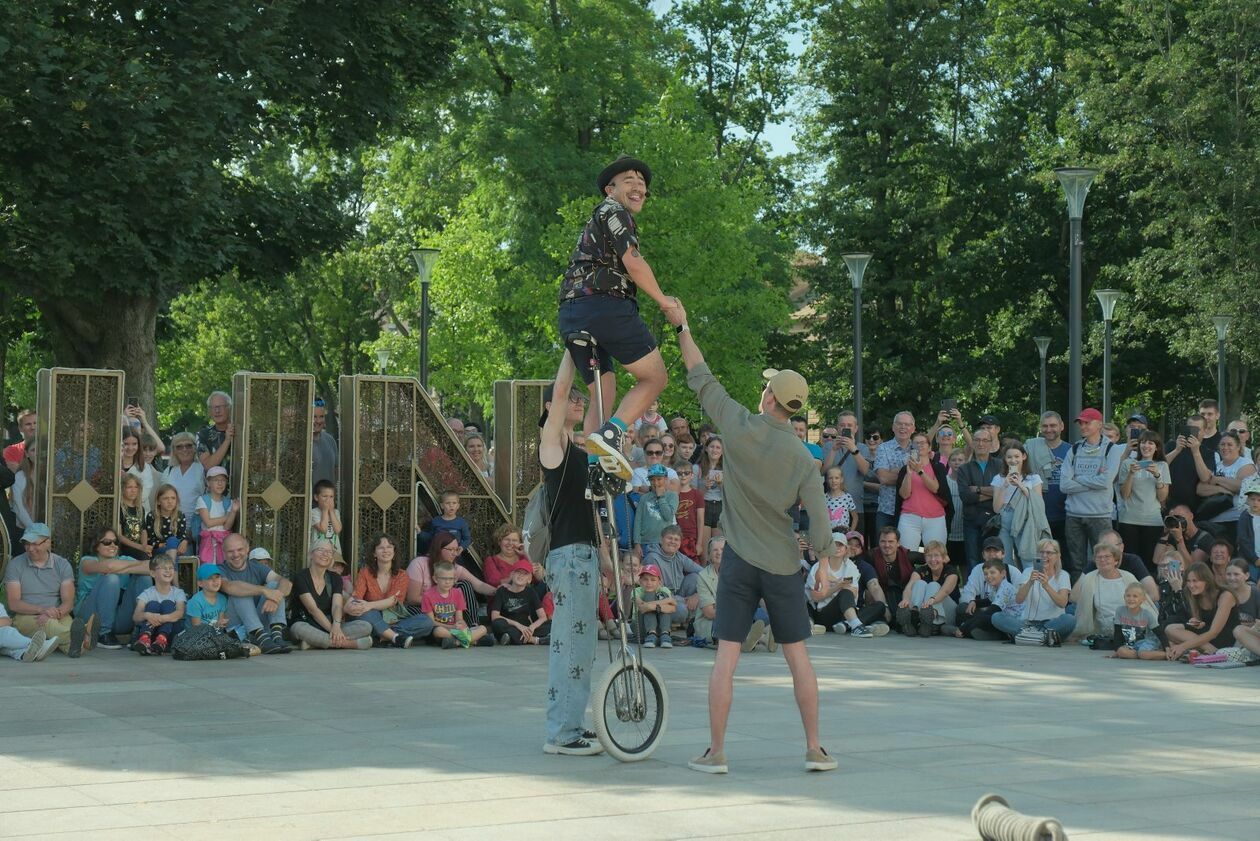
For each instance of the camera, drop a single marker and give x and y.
(1174, 521)
(846, 433)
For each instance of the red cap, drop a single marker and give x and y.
(650, 569)
(523, 566)
(1089, 415)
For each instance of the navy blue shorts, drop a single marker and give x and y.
(742, 587)
(616, 325)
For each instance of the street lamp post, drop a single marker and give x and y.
(382, 359)
(1221, 323)
(857, 268)
(424, 258)
(1075, 181)
(1107, 299)
(1043, 345)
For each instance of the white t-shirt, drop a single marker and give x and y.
(152, 595)
(1108, 598)
(1038, 606)
(848, 571)
(1032, 480)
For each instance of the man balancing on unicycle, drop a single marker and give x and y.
(599, 296)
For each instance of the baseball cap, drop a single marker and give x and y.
(206, 570)
(994, 543)
(858, 535)
(657, 470)
(1089, 415)
(523, 566)
(1250, 485)
(259, 554)
(989, 420)
(624, 163)
(36, 532)
(215, 471)
(650, 569)
(788, 387)
(1139, 417)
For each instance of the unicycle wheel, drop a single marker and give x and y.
(631, 709)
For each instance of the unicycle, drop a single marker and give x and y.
(630, 704)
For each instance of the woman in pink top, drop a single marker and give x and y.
(445, 547)
(924, 505)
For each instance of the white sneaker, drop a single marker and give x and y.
(755, 633)
(31, 654)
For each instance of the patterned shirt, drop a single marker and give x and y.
(890, 456)
(595, 268)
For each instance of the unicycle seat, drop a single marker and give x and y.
(581, 338)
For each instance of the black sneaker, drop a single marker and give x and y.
(485, 642)
(449, 642)
(605, 443)
(504, 639)
(109, 642)
(403, 641)
(577, 747)
(271, 644)
(78, 632)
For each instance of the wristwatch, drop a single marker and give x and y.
(681, 328)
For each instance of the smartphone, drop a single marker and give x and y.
(949, 405)
(846, 433)
(1135, 434)
(1039, 565)
(1146, 462)
(1188, 432)
(133, 401)
(1174, 567)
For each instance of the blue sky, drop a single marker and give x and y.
(778, 135)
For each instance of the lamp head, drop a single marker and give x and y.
(1107, 299)
(857, 266)
(424, 259)
(1075, 181)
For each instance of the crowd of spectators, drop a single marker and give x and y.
(1117, 540)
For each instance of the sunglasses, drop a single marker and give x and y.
(654, 452)
(827, 436)
(183, 446)
(107, 543)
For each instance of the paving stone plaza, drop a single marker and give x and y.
(447, 745)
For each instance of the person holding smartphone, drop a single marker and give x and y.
(1144, 483)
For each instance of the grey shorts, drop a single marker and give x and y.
(742, 587)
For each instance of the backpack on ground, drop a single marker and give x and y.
(205, 642)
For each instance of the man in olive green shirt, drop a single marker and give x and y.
(765, 471)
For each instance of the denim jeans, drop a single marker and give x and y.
(13, 643)
(102, 602)
(972, 530)
(167, 629)
(416, 625)
(246, 611)
(1011, 624)
(1080, 535)
(573, 576)
(924, 590)
(1008, 539)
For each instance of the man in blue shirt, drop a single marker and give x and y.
(1045, 458)
(889, 459)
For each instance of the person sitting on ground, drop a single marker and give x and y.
(930, 597)
(166, 527)
(159, 610)
(1246, 594)
(679, 574)
(1130, 563)
(444, 604)
(690, 514)
(1136, 622)
(131, 516)
(654, 608)
(893, 563)
(1100, 593)
(325, 518)
(979, 604)
(210, 605)
(39, 589)
(107, 578)
(318, 607)
(516, 613)
(834, 589)
(1017, 498)
(923, 506)
(217, 513)
(857, 547)
(1044, 594)
(706, 591)
(498, 567)
(1213, 616)
(256, 594)
(1183, 540)
(658, 507)
(380, 596)
(445, 548)
(20, 647)
(1218, 559)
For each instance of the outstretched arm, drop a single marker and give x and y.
(555, 434)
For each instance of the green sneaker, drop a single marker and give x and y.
(463, 637)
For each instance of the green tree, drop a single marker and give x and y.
(147, 146)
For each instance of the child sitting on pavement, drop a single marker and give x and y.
(994, 595)
(444, 604)
(516, 613)
(654, 606)
(679, 574)
(1137, 621)
(159, 610)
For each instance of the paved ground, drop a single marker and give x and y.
(446, 745)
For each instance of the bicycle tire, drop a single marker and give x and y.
(627, 740)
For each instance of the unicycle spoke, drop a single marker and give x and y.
(630, 712)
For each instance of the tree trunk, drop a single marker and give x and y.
(115, 333)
